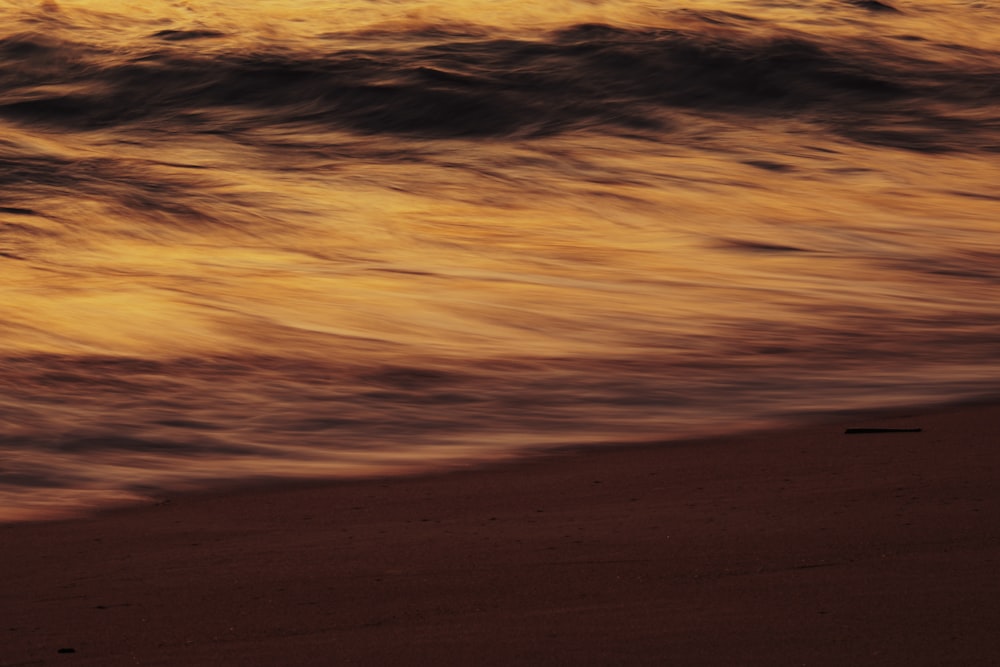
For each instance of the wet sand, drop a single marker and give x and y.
(805, 547)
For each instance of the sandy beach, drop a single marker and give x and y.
(805, 547)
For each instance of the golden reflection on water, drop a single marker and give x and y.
(596, 243)
(374, 302)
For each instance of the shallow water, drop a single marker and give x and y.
(283, 239)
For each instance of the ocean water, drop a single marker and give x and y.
(276, 239)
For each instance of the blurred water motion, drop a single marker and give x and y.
(281, 239)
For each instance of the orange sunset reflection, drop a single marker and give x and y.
(310, 239)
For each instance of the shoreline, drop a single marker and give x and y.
(800, 546)
(841, 418)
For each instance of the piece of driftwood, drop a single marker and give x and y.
(882, 430)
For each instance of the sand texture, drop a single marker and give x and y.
(805, 547)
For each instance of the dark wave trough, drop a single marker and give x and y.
(587, 76)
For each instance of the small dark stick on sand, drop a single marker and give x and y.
(882, 430)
